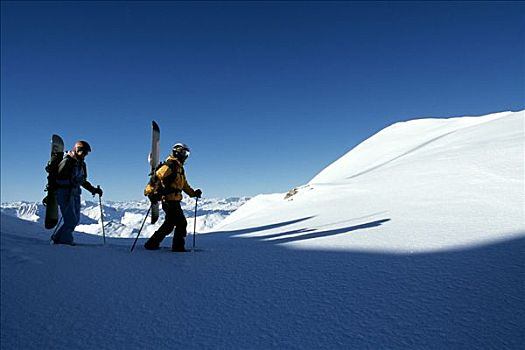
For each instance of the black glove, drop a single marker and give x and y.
(154, 197)
(98, 191)
(198, 193)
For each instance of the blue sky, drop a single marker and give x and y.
(266, 94)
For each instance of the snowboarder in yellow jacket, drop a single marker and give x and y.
(170, 182)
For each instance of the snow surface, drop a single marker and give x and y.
(413, 239)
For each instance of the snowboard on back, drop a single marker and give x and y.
(50, 201)
(154, 160)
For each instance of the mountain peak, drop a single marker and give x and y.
(415, 186)
(404, 140)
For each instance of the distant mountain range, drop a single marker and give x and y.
(123, 219)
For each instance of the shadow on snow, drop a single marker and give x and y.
(274, 297)
(463, 298)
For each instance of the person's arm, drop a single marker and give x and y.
(88, 186)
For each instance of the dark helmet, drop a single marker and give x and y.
(82, 146)
(180, 151)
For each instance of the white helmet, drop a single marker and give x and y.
(180, 151)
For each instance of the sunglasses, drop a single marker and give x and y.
(82, 150)
(182, 150)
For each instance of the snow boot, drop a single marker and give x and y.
(151, 245)
(54, 240)
(178, 245)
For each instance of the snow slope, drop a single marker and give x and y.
(418, 246)
(434, 184)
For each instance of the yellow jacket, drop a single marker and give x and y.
(173, 181)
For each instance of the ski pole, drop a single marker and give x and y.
(140, 230)
(101, 216)
(195, 222)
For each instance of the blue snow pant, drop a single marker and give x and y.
(69, 202)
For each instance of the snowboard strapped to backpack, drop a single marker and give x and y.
(50, 201)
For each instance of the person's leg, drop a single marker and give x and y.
(69, 203)
(178, 243)
(165, 229)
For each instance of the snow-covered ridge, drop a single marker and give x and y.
(400, 140)
(29, 211)
(122, 219)
(436, 184)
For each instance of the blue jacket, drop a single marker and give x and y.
(72, 173)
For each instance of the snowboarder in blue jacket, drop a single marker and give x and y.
(72, 174)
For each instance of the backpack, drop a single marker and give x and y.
(154, 188)
(52, 170)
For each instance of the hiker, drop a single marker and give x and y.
(72, 173)
(168, 187)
